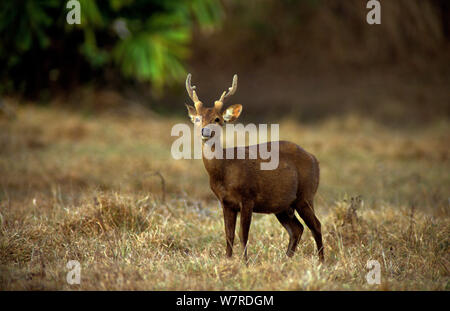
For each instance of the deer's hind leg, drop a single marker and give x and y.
(305, 209)
(294, 229)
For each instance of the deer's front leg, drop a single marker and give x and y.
(246, 219)
(229, 216)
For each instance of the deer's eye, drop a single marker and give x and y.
(217, 120)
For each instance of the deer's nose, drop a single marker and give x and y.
(206, 132)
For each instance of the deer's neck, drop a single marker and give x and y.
(213, 166)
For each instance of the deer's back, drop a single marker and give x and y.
(271, 191)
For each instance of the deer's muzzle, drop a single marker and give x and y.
(206, 132)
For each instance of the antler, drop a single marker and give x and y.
(192, 94)
(219, 103)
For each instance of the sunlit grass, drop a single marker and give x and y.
(77, 188)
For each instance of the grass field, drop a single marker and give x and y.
(104, 190)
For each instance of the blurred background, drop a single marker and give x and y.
(91, 105)
(310, 59)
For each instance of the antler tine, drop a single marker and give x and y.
(191, 89)
(231, 90)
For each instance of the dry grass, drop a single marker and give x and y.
(84, 188)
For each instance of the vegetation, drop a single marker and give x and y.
(89, 176)
(88, 189)
(145, 40)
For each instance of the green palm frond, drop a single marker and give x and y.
(151, 45)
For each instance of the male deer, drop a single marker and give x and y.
(241, 186)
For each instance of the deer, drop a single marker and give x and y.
(242, 187)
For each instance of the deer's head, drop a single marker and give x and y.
(203, 116)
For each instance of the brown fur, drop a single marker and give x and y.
(241, 186)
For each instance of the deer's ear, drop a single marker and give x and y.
(192, 112)
(232, 113)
